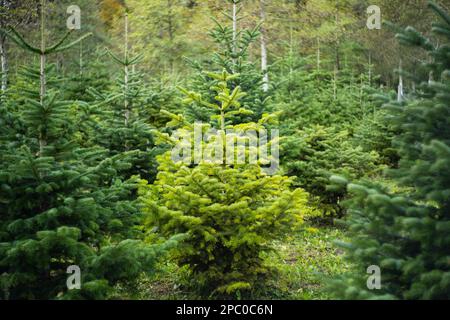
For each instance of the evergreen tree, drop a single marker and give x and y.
(375, 134)
(307, 96)
(406, 233)
(315, 153)
(232, 55)
(319, 117)
(122, 129)
(93, 71)
(62, 204)
(230, 212)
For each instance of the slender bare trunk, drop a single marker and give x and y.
(43, 81)
(337, 62)
(291, 49)
(3, 52)
(361, 93)
(126, 72)
(318, 54)
(400, 92)
(81, 61)
(4, 63)
(337, 44)
(335, 83)
(42, 64)
(234, 34)
(171, 35)
(264, 50)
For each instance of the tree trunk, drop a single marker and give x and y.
(291, 50)
(3, 50)
(234, 35)
(4, 63)
(43, 89)
(337, 44)
(361, 94)
(171, 35)
(318, 54)
(400, 92)
(81, 61)
(126, 74)
(264, 50)
(335, 83)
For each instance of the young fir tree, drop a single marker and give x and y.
(374, 133)
(231, 212)
(79, 87)
(406, 234)
(61, 204)
(92, 69)
(122, 129)
(232, 55)
(319, 128)
(315, 153)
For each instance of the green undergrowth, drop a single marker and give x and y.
(303, 265)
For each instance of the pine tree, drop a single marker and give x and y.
(320, 128)
(374, 133)
(406, 233)
(122, 128)
(305, 95)
(315, 153)
(62, 204)
(230, 212)
(91, 71)
(233, 46)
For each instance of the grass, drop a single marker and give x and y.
(305, 262)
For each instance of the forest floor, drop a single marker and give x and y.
(305, 262)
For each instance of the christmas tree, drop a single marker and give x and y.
(63, 206)
(319, 115)
(231, 211)
(121, 127)
(232, 54)
(405, 232)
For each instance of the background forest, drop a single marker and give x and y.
(87, 123)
